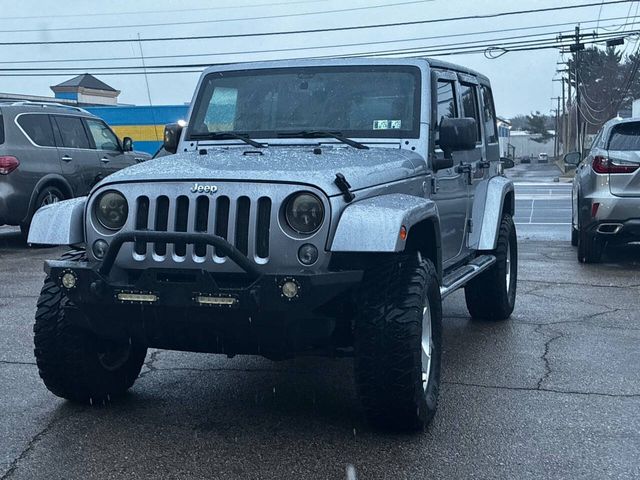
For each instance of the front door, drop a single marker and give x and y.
(79, 161)
(451, 186)
(108, 147)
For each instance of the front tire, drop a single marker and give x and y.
(492, 294)
(75, 364)
(398, 343)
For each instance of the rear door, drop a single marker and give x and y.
(624, 159)
(79, 161)
(108, 147)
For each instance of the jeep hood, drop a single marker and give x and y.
(361, 168)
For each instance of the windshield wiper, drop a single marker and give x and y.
(323, 133)
(226, 135)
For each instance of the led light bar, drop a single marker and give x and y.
(137, 297)
(212, 300)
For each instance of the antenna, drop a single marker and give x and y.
(146, 79)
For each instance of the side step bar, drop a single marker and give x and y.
(462, 275)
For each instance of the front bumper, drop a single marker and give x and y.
(89, 283)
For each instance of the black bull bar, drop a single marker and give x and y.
(94, 285)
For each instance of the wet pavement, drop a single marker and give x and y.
(552, 393)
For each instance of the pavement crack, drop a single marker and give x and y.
(13, 466)
(545, 357)
(150, 364)
(547, 390)
(11, 362)
(594, 285)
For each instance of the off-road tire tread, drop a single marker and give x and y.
(387, 347)
(486, 295)
(65, 355)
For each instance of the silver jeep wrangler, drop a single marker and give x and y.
(308, 208)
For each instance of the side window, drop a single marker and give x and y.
(469, 97)
(1, 129)
(489, 115)
(38, 129)
(72, 132)
(103, 138)
(446, 107)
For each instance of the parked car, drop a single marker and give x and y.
(543, 158)
(525, 159)
(51, 152)
(606, 190)
(309, 208)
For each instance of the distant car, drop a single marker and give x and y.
(51, 152)
(543, 158)
(606, 190)
(525, 159)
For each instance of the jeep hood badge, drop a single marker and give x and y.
(199, 188)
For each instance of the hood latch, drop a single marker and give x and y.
(344, 187)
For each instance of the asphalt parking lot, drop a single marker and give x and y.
(552, 393)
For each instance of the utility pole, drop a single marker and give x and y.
(556, 138)
(576, 47)
(562, 124)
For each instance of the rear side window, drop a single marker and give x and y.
(625, 136)
(489, 115)
(72, 132)
(469, 97)
(38, 129)
(1, 129)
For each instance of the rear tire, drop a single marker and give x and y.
(75, 364)
(589, 247)
(492, 294)
(398, 343)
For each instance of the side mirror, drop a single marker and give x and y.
(456, 134)
(507, 162)
(172, 133)
(127, 144)
(572, 158)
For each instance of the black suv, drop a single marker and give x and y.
(51, 152)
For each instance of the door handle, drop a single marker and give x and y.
(66, 158)
(105, 160)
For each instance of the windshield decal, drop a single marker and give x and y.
(387, 124)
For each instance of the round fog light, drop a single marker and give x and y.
(100, 248)
(290, 289)
(308, 254)
(69, 280)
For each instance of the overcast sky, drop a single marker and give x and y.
(521, 80)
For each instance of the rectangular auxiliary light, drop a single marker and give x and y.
(137, 297)
(212, 300)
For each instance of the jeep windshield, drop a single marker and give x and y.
(350, 101)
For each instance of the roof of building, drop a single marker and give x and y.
(86, 80)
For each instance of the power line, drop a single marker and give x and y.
(220, 20)
(320, 47)
(157, 12)
(316, 30)
(451, 47)
(439, 50)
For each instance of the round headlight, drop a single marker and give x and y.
(111, 210)
(304, 213)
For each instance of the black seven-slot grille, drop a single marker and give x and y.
(240, 221)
